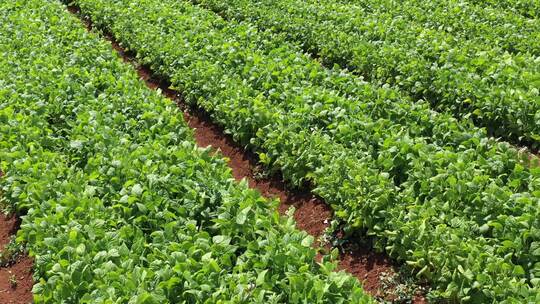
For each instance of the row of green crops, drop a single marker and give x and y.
(122, 207)
(510, 31)
(458, 207)
(528, 8)
(466, 77)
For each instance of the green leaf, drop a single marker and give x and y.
(261, 277)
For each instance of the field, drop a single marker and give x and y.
(256, 151)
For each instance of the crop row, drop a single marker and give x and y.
(528, 8)
(492, 26)
(122, 206)
(498, 90)
(459, 207)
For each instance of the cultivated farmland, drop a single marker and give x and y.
(406, 131)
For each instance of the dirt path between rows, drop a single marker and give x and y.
(15, 278)
(15, 273)
(312, 214)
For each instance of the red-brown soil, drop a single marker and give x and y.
(15, 279)
(312, 214)
(9, 226)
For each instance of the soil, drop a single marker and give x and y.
(15, 279)
(366, 266)
(312, 214)
(8, 227)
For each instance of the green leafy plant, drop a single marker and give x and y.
(458, 207)
(484, 68)
(13, 281)
(528, 8)
(10, 252)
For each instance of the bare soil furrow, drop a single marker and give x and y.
(15, 270)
